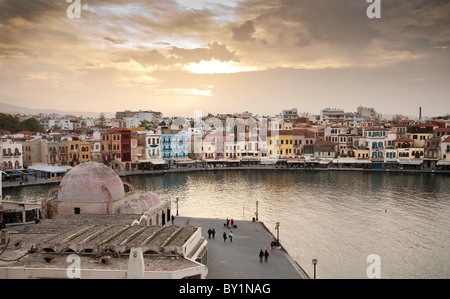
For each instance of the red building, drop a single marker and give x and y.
(125, 143)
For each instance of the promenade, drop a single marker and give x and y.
(240, 259)
(41, 181)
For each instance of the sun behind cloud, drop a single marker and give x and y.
(214, 66)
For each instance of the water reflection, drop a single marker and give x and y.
(338, 217)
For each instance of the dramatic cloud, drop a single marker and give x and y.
(132, 54)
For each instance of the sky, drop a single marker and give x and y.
(225, 56)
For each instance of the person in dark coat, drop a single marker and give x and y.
(266, 256)
(224, 236)
(261, 255)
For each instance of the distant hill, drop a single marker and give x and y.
(12, 109)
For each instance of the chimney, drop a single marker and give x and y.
(420, 113)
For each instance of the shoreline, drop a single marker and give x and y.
(42, 181)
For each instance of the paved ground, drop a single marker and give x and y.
(240, 259)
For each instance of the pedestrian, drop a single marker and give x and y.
(224, 236)
(228, 223)
(266, 256)
(209, 233)
(231, 235)
(261, 255)
(214, 232)
(232, 222)
(272, 246)
(173, 219)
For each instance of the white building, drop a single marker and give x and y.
(152, 144)
(331, 114)
(11, 156)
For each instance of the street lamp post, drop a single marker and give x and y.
(256, 214)
(314, 261)
(177, 205)
(278, 233)
(1, 186)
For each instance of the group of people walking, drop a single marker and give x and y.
(263, 255)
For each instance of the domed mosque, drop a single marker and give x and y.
(94, 188)
(114, 231)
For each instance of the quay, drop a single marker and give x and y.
(44, 181)
(239, 259)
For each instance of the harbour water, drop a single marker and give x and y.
(337, 217)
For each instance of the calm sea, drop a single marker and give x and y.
(337, 217)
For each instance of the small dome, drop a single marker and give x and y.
(84, 182)
(140, 204)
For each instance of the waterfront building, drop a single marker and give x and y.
(11, 154)
(444, 159)
(303, 141)
(325, 149)
(376, 141)
(420, 133)
(152, 144)
(110, 148)
(401, 130)
(32, 151)
(96, 145)
(214, 146)
(286, 144)
(273, 143)
(440, 132)
(410, 157)
(125, 146)
(113, 233)
(361, 153)
(85, 151)
(174, 143)
(432, 152)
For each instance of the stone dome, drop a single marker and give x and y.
(141, 204)
(84, 182)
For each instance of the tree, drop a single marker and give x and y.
(31, 125)
(9, 123)
(102, 119)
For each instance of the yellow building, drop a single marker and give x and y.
(280, 143)
(286, 143)
(85, 151)
(74, 153)
(273, 142)
(362, 153)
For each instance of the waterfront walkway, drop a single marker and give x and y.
(240, 259)
(41, 181)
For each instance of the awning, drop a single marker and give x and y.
(312, 161)
(296, 160)
(155, 161)
(268, 160)
(351, 161)
(443, 163)
(391, 160)
(409, 162)
(249, 159)
(183, 160)
(215, 160)
(47, 168)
